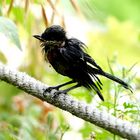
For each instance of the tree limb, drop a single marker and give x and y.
(89, 113)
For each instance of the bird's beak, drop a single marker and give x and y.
(38, 37)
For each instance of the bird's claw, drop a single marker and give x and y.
(56, 93)
(49, 89)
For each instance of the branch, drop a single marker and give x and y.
(88, 113)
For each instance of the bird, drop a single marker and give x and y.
(68, 56)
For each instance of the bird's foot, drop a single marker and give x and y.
(49, 89)
(56, 92)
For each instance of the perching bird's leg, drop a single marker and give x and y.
(68, 89)
(58, 86)
(61, 91)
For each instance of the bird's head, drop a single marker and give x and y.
(53, 36)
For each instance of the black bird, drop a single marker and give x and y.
(69, 58)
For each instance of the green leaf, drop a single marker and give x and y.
(9, 29)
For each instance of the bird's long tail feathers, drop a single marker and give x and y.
(96, 84)
(124, 84)
(94, 72)
(97, 89)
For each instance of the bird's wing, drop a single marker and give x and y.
(90, 60)
(76, 50)
(72, 51)
(75, 56)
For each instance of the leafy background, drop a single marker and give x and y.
(111, 30)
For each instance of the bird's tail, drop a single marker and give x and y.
(124, 84)
(109, 76)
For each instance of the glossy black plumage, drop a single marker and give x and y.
(69, 58)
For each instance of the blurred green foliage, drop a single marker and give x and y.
(126, 10)
(119, 39)
(115, 45)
